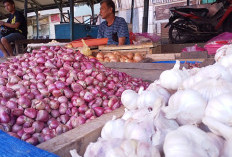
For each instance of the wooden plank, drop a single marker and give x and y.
(142, 66)
(28, 41)
(149, 75)
(80, 137)
(38, 45)
(156, 49)
(177, 48)
(195, 59)
(126, 47)
(167, 56)
(208, 61)
(194, 54)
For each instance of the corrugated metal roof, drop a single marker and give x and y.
(41, 5)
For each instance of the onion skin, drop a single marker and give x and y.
(4, 117)
(25, 136)
(61, 129)
(42, 115)
(83, 109)
(25, 102)
(8, 93)
(11, 104)
(55, 113)
(29, 130)
(16, 128)
(54, 104)
(30, 112)
(33, 140)
(98, 111)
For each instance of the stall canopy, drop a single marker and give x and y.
(27, 6)
(33, 5)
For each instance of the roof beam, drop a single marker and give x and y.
(23, 1)
(37, 3)
(44, 7)
(52, 6)
(60, 6)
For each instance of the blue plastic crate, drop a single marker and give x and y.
(13, 147)
(62, 31)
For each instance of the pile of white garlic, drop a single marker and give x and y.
(186, 113)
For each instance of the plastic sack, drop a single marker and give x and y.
(13, 147)
(145, 37)
(1, 54)
(217, 42)
(193, 49)
(224, 38)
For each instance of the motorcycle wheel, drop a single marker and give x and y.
(178, 36)
(227, 24)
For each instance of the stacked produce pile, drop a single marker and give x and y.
(186, 113)
(120, 57)
(52, 90)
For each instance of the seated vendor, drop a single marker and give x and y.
(114, 28)
(16, 26)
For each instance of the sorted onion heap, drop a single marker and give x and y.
(119, 57)
(53, 90)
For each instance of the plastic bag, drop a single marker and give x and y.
(193, 48)
(145, 37)
(6, 31)
(85, 50)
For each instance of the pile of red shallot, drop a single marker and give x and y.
(52, 90)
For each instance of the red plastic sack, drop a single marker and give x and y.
(215, 43)
(224, 38)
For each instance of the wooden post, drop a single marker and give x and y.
(37, 22)
(145, 15)
(132, 11)
(25, 9)
(71, 20)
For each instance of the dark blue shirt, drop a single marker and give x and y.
(19, 17)
(117, 30)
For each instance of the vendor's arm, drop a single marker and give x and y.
(123, 32)
(16, 25)
(121, 40)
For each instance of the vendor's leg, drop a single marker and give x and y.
(3, 50)
(7, 46)
(11, 38)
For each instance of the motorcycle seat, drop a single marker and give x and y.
(196, 11)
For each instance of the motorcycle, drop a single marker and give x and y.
(193, 24)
